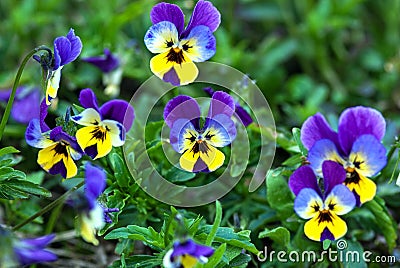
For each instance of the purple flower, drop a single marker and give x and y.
(104, 127)
(195, 143)
(187, 254)
(322, 209)
(356, 146)
(240, 112)
(93, 216)
(29, 251)
(58, 149)
(66, 49)
(106, 63)
(25, 106)
(178, 47)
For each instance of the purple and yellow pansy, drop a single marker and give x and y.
(356, 146)
(66, 49)
(178, 47)
(322, 208)
(187, 254)
(58, 149)
(198, 144)
(104, 127)
(92, 215)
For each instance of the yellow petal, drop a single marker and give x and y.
(48, 157)
(52, 85)
(188, 261)
(315, 226)
(212, 157)
(188, 160)
(94, 135)
(365, 188)
(88, 233)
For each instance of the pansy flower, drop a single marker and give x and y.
(104, 127)
(58, 149)
(356, 146)
(112, 75)
(66, 49)
(26, 103)
(187, 254)
(240, 112)
(178, 47)
(322, 209)
(33, 250)
(92, 215)
(196, 143)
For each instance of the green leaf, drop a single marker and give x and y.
(15, 188)
(326, 244)
(241, 259)
(8, 150)
(227, 235)
(120, 172)
(177, 175)
(217, 222)
(279, 195)
(216, 257)
(280, 235)
(384, 221)
(114, 200)
(9, 172)
(134, 261)
(353, 254)
(296, 136)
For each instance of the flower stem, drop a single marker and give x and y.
(50, 206)
(16, 82)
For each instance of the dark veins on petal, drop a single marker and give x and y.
(175, 55)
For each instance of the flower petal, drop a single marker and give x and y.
(220, 131)
(52, 85)
(316, 128)
(88, 117)
(342, 200)
(106, 63)
(169, 71)
(57, 134)
(206, 14)
(200, 44)
(308, 203)
(27, 256)
(368, 155)
(314, 228)
(212, 157)
(94, 135)
(95, 183)
(161, 37)
(188, 160)
(168, 12)
(25, 108)
(181, 107)
(42, 116)
(66, 49)
(321, 151)
(302, 178)
(34, 136)
(182, 135)
(364, 189)
(333, 174)
(120, 111)
(357, 121)
(55, 160)
(38, 242)
(116, 131)
(221, 103)
(243, 115)
(88, 99)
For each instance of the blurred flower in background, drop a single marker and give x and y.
(26, 103)
(110, 65)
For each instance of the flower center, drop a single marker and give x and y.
(175, 54)
(325, 216)
(61, 148)
(100, 133)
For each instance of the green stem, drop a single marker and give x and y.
(50, 206)
(16, 82)
(168, 226)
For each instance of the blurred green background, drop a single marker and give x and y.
(306, 56)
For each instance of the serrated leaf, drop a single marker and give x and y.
(8, 150)
(14, 188)
(228, 236)
(280, 235)
(384, 220)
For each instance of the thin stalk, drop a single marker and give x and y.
(16, 82)
(50, 206)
